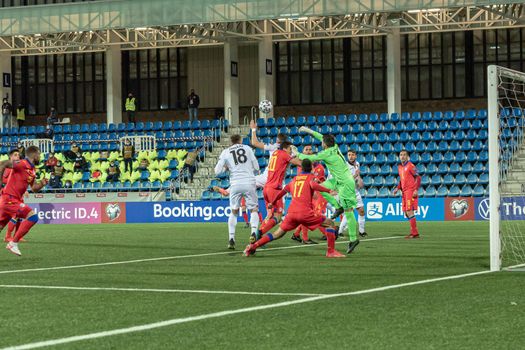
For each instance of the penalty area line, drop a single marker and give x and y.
(154, 290)
(175, 321)
(176, 257)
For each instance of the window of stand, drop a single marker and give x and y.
(72, 83)
(156, 77)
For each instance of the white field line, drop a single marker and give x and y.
(149, 326)
(177, 257)
(153, 290)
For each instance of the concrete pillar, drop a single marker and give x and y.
(393, 50)
(114, 84)
(6, 76)
(267, 69)
(231, 80)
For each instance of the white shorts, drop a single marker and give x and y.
(248, 192)
(260, 180)
(359, 199)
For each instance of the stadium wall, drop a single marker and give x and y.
(387, 209)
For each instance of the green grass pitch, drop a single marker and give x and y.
(200, 277)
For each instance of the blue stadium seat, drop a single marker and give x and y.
(374, 170)
(460, 179)
(368, 181)
(416, 117)
(421, 126)
(365, 148)
(371, 138)
(478, 168)
(454, 191)
(465, 125)
(395, 117)
(443, 146)
(465, 146)
(390, 181)
(186, 125)
(280, 122)
(442, 169)
(437, 157)
(362, 119)
(483, 134)
(383, 118)
(431, 169)
(385, 170)
(432, 147)
(437, 115)
(426, 158)
(443, 125)
(442, 191)
(426, 116)
(373, 118)
(472, 179)
(466, 168)
(471, 114)
(391, 158)
(379, 181)
(404, 137)
(415, 136)
(466, 191)
(454, 146)
(478, 191)
(448, 179)
(436, 180)
(341, 119)
(484, 178)
(430, 191)
(461, 157)
(321, 120)
(449, 136)
(393, 137)
(139, 127)
(372, 192)
(196, 124)
(436, 136)
(383, 192)
(472, 157)
(311, 120)
(425, 180)
(388, 127)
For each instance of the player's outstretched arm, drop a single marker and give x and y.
(281, 194)
(313, 157)
(254, 140)
(309, 131)
(320, 188)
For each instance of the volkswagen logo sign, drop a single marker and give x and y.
(484, 209)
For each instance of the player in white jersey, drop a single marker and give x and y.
(353, 165)
(240, 161)
(260, 180)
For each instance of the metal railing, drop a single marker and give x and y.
(141, 143)
(45, 145)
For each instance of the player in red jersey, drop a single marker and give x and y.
(409, 181)
(12, 198)
(301, 211)
(14, 223)
(224, 192)
(301, 233)
(277, 167)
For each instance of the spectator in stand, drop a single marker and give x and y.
(128, 153)
(131, 107)
(104, 155)
(7, 110)
(143, 165)
(80, 163)
(21, 150)
(48, 134)
(193, 104)
(52, 118)
(189, 163)
(55, 181)
(71, 155)
(113, 172)
(51, 163)
(59, 169)
(68, 184)
(20, 115)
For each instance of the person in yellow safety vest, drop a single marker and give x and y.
(131, 107)
(20, 115)
(128, 152)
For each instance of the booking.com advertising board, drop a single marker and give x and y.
(388, 209)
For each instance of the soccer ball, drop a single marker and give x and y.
(265, 106)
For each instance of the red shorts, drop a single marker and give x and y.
(269, 197)
(10, 209)
(310, 220)
(408, 202)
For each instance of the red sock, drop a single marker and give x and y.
(245, 216)
(260, 217)
(298, 231)
(10, 227)
(265, 239)
(268, 225)
(330, 239)
(413, 226)
(305, 233)
(24, 228)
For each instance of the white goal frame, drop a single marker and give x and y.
(494, 72)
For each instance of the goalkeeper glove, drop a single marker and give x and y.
(305, 130)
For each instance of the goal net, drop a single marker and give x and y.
(506, 122)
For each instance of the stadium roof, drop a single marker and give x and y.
(134, 24)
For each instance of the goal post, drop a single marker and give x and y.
(494, 177)
(506, 166)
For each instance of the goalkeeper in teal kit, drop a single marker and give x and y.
(342, 181)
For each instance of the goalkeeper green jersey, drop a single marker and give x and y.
(334, 160)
